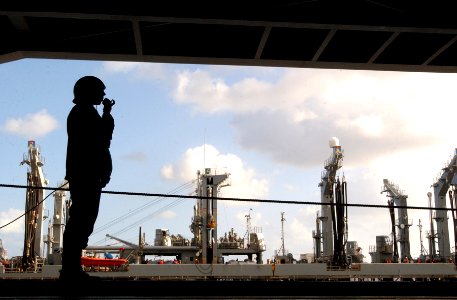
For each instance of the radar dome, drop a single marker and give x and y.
(334, 142)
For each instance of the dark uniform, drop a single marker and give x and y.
(88, 169)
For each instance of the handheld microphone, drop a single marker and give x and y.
(108, 102)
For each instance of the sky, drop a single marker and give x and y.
(269, 128)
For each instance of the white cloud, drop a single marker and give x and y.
(369, 125)
(198, 88)
(31, 126)
(167, 172)
(297, 236)
(121, 67)
(391, 125)
(301, 115)
(168, 214)
(145, 71)
(8, 216)
(243, 180)
(371, 112)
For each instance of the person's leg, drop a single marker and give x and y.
(90, 211)
(83, 213)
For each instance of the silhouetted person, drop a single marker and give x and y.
(88, 169)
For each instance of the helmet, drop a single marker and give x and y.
(86, 86)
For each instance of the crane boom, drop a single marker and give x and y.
(398, 198)
(442, 184)
(122, 241)
(440, 189)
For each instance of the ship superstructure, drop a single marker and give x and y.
(204, 222)
(203, 256)
(205, 247)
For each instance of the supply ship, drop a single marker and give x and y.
(204, 257)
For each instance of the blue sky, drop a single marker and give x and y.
(268, 127)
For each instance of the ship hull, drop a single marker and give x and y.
(231, 289)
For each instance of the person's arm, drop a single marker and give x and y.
(108, 120)
(108, 128)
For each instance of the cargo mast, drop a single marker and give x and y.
(431, 236)
(327, 183)
(440, 188)
(398, 198)
(34, 208)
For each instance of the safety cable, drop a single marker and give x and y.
(139, 209)
(32, 208)
(237, 199)
(148, 217)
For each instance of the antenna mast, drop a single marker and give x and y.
(282, 234)
(248, 226)
(423, 251)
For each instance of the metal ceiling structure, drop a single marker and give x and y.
(357, 34)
